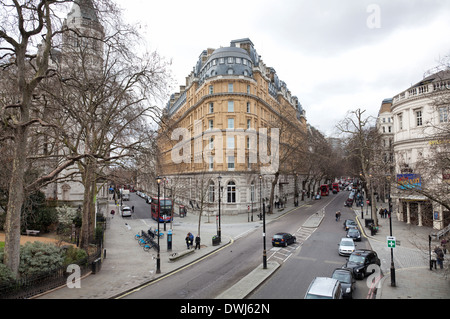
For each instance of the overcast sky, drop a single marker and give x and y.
(335, 56)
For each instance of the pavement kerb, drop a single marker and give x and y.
(249, 283)
(161, 277)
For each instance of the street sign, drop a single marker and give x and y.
(391, 242)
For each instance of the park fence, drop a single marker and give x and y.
(29, 286)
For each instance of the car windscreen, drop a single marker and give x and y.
(347, 243)
(342, 277)
(357, 259)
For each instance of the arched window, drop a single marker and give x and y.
(231, 192)
(211, 192)
(230, 71)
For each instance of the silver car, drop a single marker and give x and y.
(346, 247)
(126, 211)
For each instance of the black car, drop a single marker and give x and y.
(349, 223)
(283, 239)
(359, 260)
(347, 280)
(354, 234)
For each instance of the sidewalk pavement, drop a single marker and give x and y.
(413, 277)
(127, 266)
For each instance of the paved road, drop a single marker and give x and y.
(317, 256)
(218, 272)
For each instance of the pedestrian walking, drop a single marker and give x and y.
(188, 240)
(337, 213)
(132, 209)
(439, 257)
(112, 213)
(197, 242)
(433, 260)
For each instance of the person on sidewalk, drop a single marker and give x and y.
(197, 242)
(188, 240)
(433, 260)
(112, 213)
(439, 257)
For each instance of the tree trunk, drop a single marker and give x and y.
(272, 191)
(15, 202)
(87, 221)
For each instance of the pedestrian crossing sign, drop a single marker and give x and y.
(391, 242)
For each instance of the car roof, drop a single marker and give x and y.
(322, 286)
(362, 252)
(346, 270)
(347, 239)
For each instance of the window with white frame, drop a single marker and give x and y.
(211, 163)
(230, 106)
(400, 121)
(211, 107)
(443, 114)
(211, 192)
(231, 192)
(230, 123)
(230, 142)
(252, 192)
(230, 161)
(419, 120)
(211, 124)
(230, 86)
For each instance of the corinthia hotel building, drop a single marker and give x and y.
(222, 128)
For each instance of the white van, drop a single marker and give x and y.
(324, 288)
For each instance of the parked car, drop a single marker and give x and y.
(359, 260)
(354, 234)
(346, 247)
(125, 211)
(348, 223)
(283, 239)
(347, 280)
(324, 288)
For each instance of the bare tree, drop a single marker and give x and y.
(362, 145)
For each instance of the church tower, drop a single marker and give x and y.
(83, 40)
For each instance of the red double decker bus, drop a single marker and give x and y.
(324, 190)
(166, 209)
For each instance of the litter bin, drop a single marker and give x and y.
(368, 222)
(215, 240)
(96, 265)
(169, 240)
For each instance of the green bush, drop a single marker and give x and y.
(38, 257)
(74, 255)
(5, 274)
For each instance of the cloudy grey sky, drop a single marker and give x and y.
(335, 56)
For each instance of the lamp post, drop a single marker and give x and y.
(264, 226)
(392, 249)
(158, 261)
(164, 199)
(219, 231)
